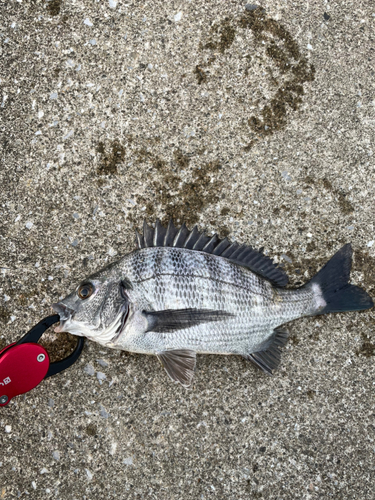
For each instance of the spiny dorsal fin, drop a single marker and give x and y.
(243, 255)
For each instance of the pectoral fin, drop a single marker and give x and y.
(179, 364)
(171, 320)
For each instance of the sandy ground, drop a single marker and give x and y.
(258, 124)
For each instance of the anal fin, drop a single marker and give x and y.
(179, 364)
(269, 358)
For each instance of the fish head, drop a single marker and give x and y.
(97, 309)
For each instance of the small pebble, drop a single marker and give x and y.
(89, 369)
(29, 225)
(69, 134)
(178, 16)
(285, 257)
(102, 363)
(101, 376)
(89, 475)
(8, 429)
(251, 6)
(103, 413)
(56, 455)
(87, 22)
(286, 175)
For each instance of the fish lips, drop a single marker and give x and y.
(65, 314)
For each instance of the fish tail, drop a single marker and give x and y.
(332, 290)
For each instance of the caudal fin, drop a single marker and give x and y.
(332, 286)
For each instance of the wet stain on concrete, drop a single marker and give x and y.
(111, 156)
(345, 206)
(339, 194)
(58, 346)
(175, 197)
(282, 50)
(53, 7)
(4, 315)
(365, 263)
(221, 37)
(294, 339)
(91, 430)
(367, 348)
(311, 393)
(200, 74)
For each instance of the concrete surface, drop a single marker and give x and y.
(258, 124)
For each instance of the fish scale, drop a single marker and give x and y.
(168, 277)
(182, 292)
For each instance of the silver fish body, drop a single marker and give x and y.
(176, 279)
(172, 300)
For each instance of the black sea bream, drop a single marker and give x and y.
(182, 292)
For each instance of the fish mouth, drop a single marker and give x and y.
(65, 314)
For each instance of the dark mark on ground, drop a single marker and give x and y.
(91, 430)
(111, 157)
(201, 75)
(293, 68)
(53, 7)
(289, 60)
(187, 201)
(4, 315)
(366, 265)
(58, 346)
(367, 348)
(294, 339)
(181, 160)
(311, 393)
(344, 204)
(171, 195)
(221, 37)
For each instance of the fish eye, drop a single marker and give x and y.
(85, 291)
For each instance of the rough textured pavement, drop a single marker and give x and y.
(253, 122)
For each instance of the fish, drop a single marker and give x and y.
(182, 292)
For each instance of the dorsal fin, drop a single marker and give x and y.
(243, 255)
